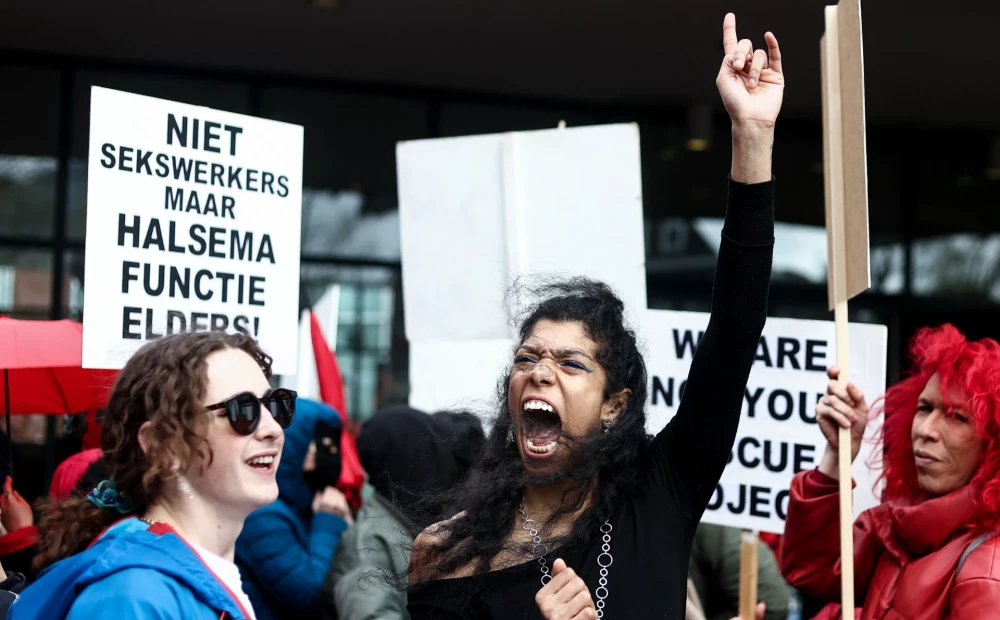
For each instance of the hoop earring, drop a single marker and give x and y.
(510, 435)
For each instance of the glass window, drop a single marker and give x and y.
(956, 191)
(956, 252)
(349, 198)
(26, 283)
(371, 347)
(73, 300)
(684, 194)
(958, 265)
(29, 124)
(229, 96)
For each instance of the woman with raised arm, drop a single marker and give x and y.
(192, 438)
(573, 511)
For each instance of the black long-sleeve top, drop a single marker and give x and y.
(654, 527)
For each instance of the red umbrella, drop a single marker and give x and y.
(42, 360)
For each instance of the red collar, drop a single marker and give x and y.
(916, 528)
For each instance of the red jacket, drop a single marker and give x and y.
(905, 555)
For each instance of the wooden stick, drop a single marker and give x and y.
(846, 491)
(838, 272)
(748, 575)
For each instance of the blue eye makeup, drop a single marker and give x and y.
(573, 364)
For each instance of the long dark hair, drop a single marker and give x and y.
(492, 492)
(163, 383)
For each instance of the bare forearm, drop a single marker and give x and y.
(829, 464)
(752, 147)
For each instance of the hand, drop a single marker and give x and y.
(841, 407)
(332, 501)
(15, 511)
(751, 82)
(758, 613)
(565, 596)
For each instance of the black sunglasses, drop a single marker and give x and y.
(244, 409)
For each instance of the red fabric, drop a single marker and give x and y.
(92, 437)
(70, 471)
(57, 391)
(331, 390)
(19, 539)
(905, 554)
(832, 612)
(771, 539)
(42, 362)
(40, 344)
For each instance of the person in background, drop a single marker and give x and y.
(192, 436)
(33, 445)
(285, 549)
(77, 470)
(930, 549)
(77, 476)
(408, 456)
(19, 540)
(11, 586)
(715, 572)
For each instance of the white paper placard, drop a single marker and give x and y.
(487, 210)
(778, 434)
(477, 364)
(193, 223)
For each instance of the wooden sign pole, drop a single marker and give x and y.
(748, 575)
(838, 274)
(847, 224)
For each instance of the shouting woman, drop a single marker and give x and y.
(192, 439)
(573, 511)
(929, 551)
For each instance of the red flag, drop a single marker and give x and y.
(331, 390)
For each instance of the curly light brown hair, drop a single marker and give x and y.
(163, 383)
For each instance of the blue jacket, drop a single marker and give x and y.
(129, 573)
(284, 551)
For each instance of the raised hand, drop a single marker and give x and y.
(565, 596)
(332, 501)
(750, 81)
(15, 511)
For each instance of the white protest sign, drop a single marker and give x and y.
(193, 223)
(475, 364)
(485, 211)
(778, 435)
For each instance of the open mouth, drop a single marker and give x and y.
(542, 427)
(262, 464)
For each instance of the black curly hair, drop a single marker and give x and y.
(605, 462)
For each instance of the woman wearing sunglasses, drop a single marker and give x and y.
(192, 439)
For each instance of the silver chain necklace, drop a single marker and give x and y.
(605, 560)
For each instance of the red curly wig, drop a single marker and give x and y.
(971, 369)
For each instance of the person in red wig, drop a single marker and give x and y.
(929, 550)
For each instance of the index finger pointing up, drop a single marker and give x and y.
(729, 39)
(773, 54)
